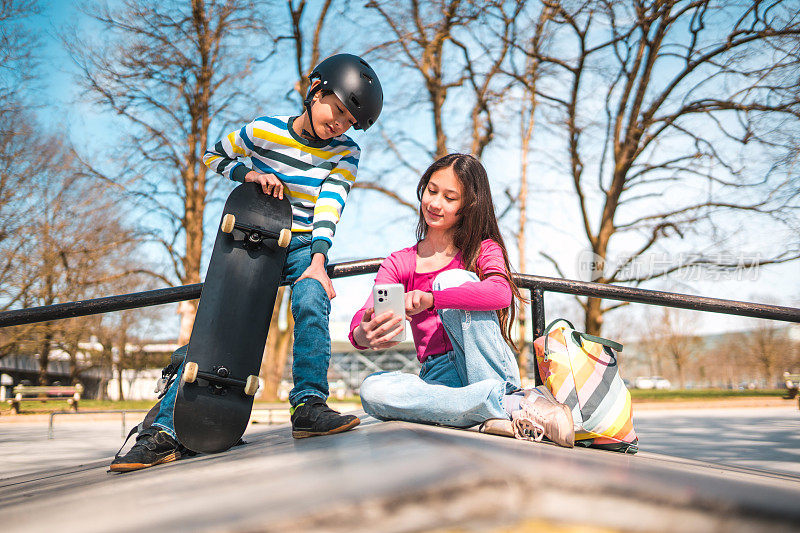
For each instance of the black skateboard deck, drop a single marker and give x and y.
(220, 377)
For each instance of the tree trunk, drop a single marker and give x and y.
(276, 351)
(594, 316)
(187, 312)
(44, 354)
(437, 95)
(120, 368)
(521, 235)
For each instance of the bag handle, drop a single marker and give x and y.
(547, 333)
(617, 347)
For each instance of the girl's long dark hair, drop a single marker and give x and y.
(477, 223)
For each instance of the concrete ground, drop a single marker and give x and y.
(766, 438)
(699, 470)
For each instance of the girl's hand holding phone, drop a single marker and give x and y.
(377, 331)
(417, 302)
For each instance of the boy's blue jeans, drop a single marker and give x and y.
(461, 388)
(311, 351)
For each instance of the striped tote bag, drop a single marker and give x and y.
(581, 371)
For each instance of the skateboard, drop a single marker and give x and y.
(220, 377)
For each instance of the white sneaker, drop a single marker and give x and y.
(541, 415)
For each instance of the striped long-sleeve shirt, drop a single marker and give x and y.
(317, 176)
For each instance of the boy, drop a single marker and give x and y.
(311, 160)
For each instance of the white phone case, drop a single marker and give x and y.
(391, 297)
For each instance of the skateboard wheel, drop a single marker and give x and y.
(228, 221)
(190, 372)
(251, 386)
(284, 238)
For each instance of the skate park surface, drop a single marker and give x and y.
(706, 469)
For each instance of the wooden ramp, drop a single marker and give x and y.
(403, 477)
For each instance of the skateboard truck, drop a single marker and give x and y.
(219, 377)
(255, 235)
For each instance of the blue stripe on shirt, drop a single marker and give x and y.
(275, 122)
(302, 219)
(286, 178)
(300, 180)
(335, 196)
(246, 139)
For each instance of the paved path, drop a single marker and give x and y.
(408, 477)
(767, 439)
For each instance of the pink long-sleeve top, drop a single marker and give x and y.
(430, 338)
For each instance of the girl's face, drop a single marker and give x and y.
(442, 199)
(331, 117)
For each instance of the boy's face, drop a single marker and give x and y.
(331, 117)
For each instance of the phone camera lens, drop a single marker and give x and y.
(380, 299)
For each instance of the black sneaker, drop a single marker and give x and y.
(313, 418)
(152, 447)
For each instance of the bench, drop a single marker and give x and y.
(792, 382)
(33, 393)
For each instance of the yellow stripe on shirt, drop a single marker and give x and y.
(236, 149)
(327, 209)
(303, 196)
(346, 174)
(286, 141)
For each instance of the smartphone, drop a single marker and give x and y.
(391, 297)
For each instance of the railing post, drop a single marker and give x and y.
(538, 325)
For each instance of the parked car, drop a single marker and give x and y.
(652, 382)
(661, 383)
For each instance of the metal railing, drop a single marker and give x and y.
(537, 285)
(147, 298)
(51, 433)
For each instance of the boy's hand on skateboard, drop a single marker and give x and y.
(270, 183)
(376, 331)
(316, 270)
(418, 301)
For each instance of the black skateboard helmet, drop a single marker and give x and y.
(354, 82)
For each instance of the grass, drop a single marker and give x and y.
(702, 394)
(48, 406)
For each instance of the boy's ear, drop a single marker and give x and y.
(313, 85)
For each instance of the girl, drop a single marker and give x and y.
(459, 296)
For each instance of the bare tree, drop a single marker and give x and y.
(113, 342)
(172, 70)
(767, 349)
(673, 340)
(70, 243)
(528, 74)
(20, 155)
(451, 45)
(305, 62)
(671, 96)
(725, 364)
(18, 48)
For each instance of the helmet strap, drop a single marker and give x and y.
(307, 104)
